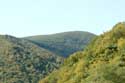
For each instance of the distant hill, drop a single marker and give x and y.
(63, 44)
(103, 61)
(24, 62)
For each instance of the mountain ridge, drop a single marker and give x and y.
(64, 43)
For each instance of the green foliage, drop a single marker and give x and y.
(103, 61)
(65, 43)
(24, 62)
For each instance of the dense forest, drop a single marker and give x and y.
(63, 44)
(24, 62)
(36, 59)
(103, 61)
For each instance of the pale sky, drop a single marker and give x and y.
(39, 17)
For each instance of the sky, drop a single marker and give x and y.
(22, 18)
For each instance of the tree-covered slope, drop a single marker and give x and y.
(24, 62)
(65, 43)
(103, 61)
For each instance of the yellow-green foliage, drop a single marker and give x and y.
(121, 43)
(103, 61)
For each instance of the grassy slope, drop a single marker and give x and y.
(24, 62)
(103, 61)
(65, 43)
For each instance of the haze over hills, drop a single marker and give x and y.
(65, 43)
(24, 62)
(103, 61)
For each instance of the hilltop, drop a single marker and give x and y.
(63, 44)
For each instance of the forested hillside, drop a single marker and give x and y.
(103, 61)
(24, 62)
(63, 44)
